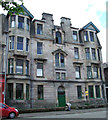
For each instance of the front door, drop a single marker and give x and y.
(61, 97)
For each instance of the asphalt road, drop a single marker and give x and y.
(92, 114)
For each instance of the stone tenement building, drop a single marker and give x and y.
(50, 65)
(105, 66)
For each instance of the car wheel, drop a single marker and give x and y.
(12, 115)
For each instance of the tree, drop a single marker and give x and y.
(11, 7)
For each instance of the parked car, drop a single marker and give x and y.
(6, 111)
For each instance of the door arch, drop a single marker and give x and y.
(61, 96)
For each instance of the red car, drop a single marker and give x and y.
(6, 111)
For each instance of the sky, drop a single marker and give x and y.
(80, 12)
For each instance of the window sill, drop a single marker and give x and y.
(78, 78)
(40, 99)
(20, 28)
(40, 76)
(19, 99)
(11, 49)
(79, 98)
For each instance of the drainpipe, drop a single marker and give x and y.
(6, 57)
(6, 32)
(31, 81)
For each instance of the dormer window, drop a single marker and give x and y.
(39, 29)
(75, 35)
(92, 36)
(58, 37)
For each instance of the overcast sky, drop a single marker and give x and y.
(81, 12)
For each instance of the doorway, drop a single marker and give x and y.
(61, 96)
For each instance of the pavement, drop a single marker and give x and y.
(73, 111)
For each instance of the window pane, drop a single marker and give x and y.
(10, 66)
(100, 73)
(27, 44)
(57, 59)
(89, 72)
(91, 92)
(95, 70)
(77, 68)
(19, 91)
(97, 87)
(40, 92)
(92, 36)
(19, 66)
(79, 92)
(63, 76)
(62, 60)
(39, 69)
(87, 50)
(39, 48)
(19, 43)
(57, 75)
(21, 22)
(11, 43)
(27, 24)
(85, 36)
(58, 38)
(98, 54)
(39, 29)
(10, 91)
(27, 91)
(74, 35)
(76, 53)
(12, 24)
(27, 67)
(93, 54)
